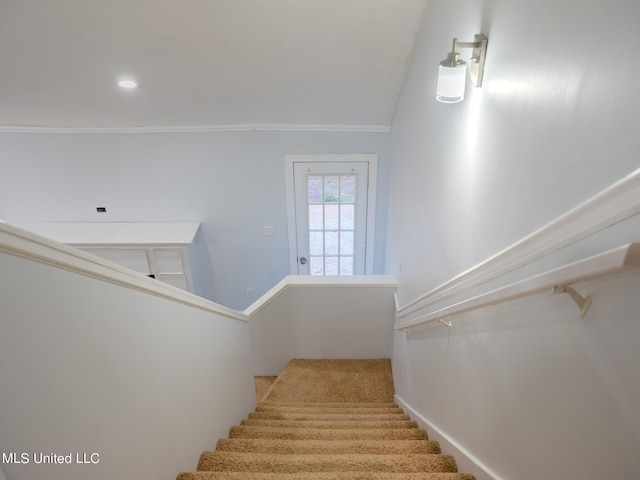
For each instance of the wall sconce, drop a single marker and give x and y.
(453, 71)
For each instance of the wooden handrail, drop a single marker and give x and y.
(558, 280)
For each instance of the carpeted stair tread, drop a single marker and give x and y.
(277, 463)
(324, 476)
(329, 416)
(352, 381)
(327, 420)
(328, 433)
(269, 403)
(262, 385)
(329, 423)
(330, 410)
(284, 446)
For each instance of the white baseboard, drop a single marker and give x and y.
(466, 461)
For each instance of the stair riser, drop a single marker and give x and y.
(328, 434)
(327, 416)
(328, 424)
(298, 447)
(322, 476)
(268, 403)
(332, 410)
(248, 462)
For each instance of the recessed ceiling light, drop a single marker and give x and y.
(128, 84)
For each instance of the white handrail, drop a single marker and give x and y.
(22, 243)
(618, 202)
(17, 241)
(558, 280)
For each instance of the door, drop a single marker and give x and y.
(331, 205)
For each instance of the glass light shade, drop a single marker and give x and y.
(127, 84)
(451, 82)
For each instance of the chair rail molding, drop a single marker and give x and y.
(614, 204)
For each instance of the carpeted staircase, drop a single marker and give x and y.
(325, 420)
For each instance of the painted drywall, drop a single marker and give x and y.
(90, 367)
(231, 182)
(322, 322)
(529, 387)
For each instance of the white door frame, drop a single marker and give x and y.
(291, 159)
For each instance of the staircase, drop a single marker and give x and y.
(328, 419)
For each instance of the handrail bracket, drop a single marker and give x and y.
(583, 301)
(446, 323)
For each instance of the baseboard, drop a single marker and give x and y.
(467, 462)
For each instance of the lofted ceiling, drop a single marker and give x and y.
(204, 63)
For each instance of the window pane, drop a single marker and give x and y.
(315, 217)
(316, 266)
(316, 243)
(346, 265)
(331, 265)
(348, 189)
(331, 217)
(331, 243)
(331, 189)
(346, 243)
(315, 189)
(346, 216)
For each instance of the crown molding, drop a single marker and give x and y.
(248, 127)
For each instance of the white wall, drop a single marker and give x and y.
(232, 182)
(528, 388)
(320, 321)
(88, 366)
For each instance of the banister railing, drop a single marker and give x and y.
(616, 203)
(17, 241)
(558, 280)
(25, 244)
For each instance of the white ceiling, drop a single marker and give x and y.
(204, 63)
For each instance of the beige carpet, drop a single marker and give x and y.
(326, 420)
(334, 381)
(263, 384)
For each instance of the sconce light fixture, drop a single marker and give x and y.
(453, 71)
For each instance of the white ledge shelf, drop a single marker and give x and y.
(115, 233)
(305, 281)
(558, 280)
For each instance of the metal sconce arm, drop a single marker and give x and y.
(478, 56)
